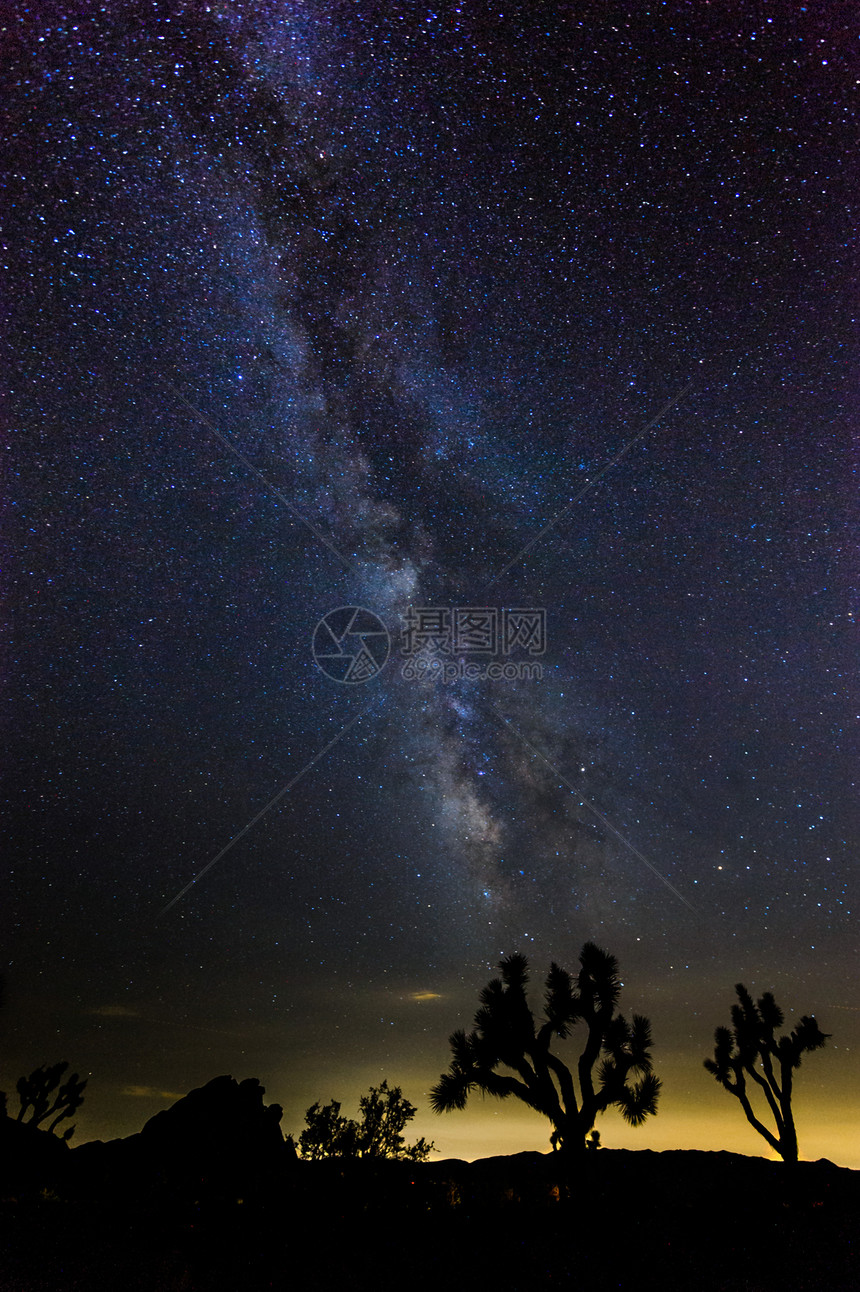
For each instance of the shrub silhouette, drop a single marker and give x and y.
(45, 1095)
(379, 1133)
(506, 1033)
(750, 1049)
(327, 1134)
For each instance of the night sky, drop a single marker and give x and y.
(326, 304)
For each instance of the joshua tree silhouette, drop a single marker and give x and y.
(750, 1049)
(507, 1033)
(42, 1096)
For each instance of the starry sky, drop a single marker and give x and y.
(312, 305)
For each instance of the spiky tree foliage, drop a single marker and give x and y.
(751, 1050)
(613, 1068)
(45, 1095)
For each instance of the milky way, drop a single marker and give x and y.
(315, 306)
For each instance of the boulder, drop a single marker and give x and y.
(219, 1141)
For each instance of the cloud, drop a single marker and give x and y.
(425, 995)
(150, 1092)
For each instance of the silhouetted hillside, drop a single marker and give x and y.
(208, 1196)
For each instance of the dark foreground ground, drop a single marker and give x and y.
(633, 1220)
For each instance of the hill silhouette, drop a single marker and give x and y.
(208, 1195)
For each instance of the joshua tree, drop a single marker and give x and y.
(750, 1049)
(42, 1096)
(506, 1033)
